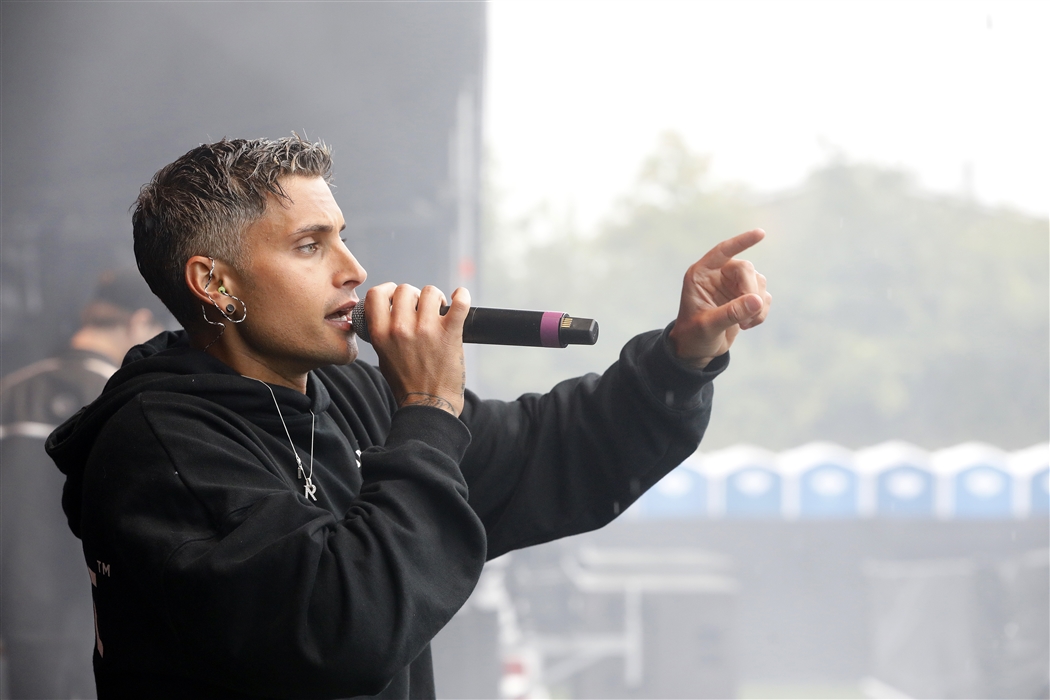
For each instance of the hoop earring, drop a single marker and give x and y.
(220, 324)
(225, 314)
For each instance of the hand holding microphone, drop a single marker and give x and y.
(548, 329)
(420, 351)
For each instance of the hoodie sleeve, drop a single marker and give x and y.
(569, 461)
(262, 591)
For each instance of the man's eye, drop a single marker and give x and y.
(309, 247)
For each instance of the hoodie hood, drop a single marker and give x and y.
(166, 363)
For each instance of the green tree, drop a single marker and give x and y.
(896, 315)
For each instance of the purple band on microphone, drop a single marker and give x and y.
(549, 329)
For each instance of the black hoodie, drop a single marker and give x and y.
(215, 576)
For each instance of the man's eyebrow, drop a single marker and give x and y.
(311, 228)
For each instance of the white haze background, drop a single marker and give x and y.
(955, 92)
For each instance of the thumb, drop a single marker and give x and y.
(735, 312)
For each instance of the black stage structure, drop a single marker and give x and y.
(97, 96)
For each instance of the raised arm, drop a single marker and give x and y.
(547, 466)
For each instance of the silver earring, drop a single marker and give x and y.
(220, 324)
(204, 310)
(230, 308)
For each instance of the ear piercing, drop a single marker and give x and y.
(228, 309)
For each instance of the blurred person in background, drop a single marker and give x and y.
(45, 607)
(265, 517)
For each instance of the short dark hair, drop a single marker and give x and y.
(202, 203)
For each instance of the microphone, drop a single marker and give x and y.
(547, 329)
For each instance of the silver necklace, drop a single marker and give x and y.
(309, 489)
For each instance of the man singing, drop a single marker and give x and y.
(262, 516)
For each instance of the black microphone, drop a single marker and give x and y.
(547, 329)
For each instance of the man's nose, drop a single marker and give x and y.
(350, 270)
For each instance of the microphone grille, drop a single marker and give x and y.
(357, 320)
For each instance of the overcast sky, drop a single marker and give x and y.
(579, 90)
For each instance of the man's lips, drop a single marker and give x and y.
(341, 316)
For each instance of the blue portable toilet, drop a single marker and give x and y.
(973, 481)
(1040, 493)
(743, 483)
(682, 493)
(1030, 469)
(895, 481)
(820, 481)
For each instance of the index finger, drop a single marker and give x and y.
(724, 251)
(377, 308)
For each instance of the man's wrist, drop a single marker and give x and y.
(418, 398)
(671, 344)
(693, 363)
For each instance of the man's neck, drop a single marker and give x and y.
(226, 350)
(249, 367)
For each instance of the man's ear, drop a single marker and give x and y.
(202, 279)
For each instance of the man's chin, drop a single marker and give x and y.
(350, 352)
(341, 353)
(351, 349)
